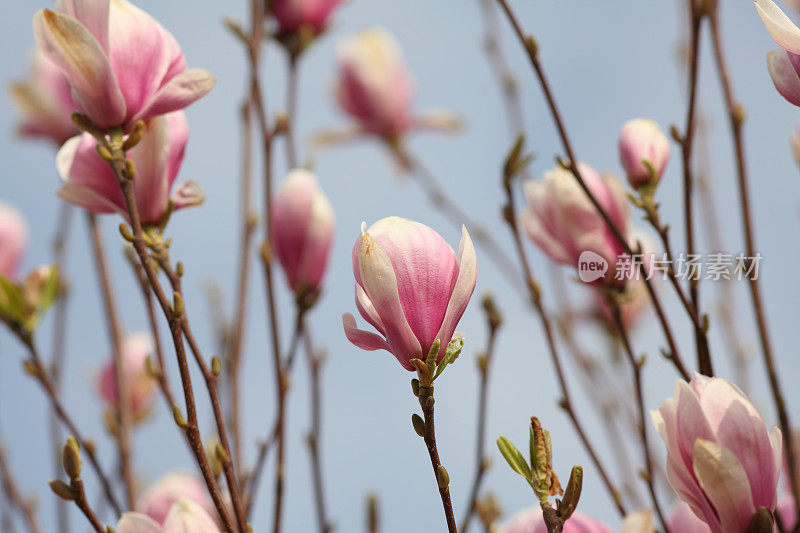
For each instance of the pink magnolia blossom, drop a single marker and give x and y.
(564, 223)
(13, 240)
(788, 513)
(302, 229)
(91, 184)
(783, 65)
(142, 386)
(721, 460)
(158, 499)
(292, 15)
(410, 286)
(531, 521)
(185, 516)
(374, 85)
(642, 140)
(44, 101)
(122, 65)
(682, 519)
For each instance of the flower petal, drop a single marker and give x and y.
(638, 522)
(93, 14)
(188, 194)
(67, 43)
(138, 523)
(79, 164)
(380, 283)
(181, 91)
(784, 76)
(187, 516)
(725, 482)
(780, 27)
(367, 310)
(150, 157)
(363, 339)
(462, 292)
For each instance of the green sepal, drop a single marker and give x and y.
(514, 458)
(452, 352)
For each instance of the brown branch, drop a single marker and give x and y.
(636, 366)
(123, 411)
(535, 295)
(426, 401)
(25, 507)
(79, 494)
(36, 369)
(481, 459)
(736, 117)
(687, 144)
(530, 47)
(315, 361)
(190, 427)
(248, 222)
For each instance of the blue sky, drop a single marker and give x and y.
(607, 61)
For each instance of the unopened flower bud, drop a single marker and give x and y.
(643, 151)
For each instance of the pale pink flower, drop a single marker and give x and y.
(531, 521)
(302, 230)
(185, 516)
(642, 140)
(90, 183)
(374, 85)
(13, 240)
(141, 385)
(158, 499)
(292, 15)
(122, 65)
(783, 65)
(561, 219)
(721, 460)
(44, 101)
(681, 519)
(410, 286)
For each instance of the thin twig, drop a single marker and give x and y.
(315, 361)
(123, 410)
(76, 484)
(25, 507)
(636, 366)
(736, 117)
(481, 459)
(566, 404)
(530, 47)
(37, 370)
(687, 143)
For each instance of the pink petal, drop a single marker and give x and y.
(138, 523)
(780, 27)
(93, 14)
(426, 270)
(380, 284)
(151, 183)
(178, 138)
(318, 240)
(139, 53)
(291, 216)
(363, 339)
(725, 483)
(68, 44)
(691, 423)
(90, 180)
(462, 292)
(187, 516)
(367, 310)
(188, 194)
(682, 519)
(784, 76)
(181, 91)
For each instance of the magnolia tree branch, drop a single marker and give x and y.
(636, 366)
(124, 415)
(736, 119)
(529, 44)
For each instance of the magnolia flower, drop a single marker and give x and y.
(122, 65)
(141, 385)
(682, 519)
(13, 240)
(185, 516)
(410, 286)
(531, 521)
(641, 140)
(374, 85)
(44, 102)
(783, 65)
(564, 223)
(302, 230)
(157, 500)
(721, 460)
(91, 184)
(292, 15)
(634, 305)
(788, 512)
